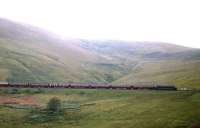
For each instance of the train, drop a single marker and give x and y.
(88, 86)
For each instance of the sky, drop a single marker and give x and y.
(173, 21)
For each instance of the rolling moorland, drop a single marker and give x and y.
(31, 54)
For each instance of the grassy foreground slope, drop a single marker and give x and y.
(30, 54)
(107, 109)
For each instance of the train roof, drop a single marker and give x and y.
(3, 82)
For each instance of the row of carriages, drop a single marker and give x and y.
(88, 86)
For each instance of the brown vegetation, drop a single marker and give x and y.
(23, 100)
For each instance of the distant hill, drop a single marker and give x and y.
(30, 54)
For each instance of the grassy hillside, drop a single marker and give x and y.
(179, 73)
(30, 54)
(151, 62)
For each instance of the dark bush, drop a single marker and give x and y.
(68, 111)
(54, 105)
(52, 112)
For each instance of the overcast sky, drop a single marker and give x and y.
(174, 21)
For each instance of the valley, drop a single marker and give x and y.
(31, 54)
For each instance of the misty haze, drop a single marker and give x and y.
(99, 64)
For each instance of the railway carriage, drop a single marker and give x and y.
(87, 86)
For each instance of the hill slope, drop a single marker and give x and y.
(154, 62)
(30, 54)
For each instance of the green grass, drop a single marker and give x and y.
(112, 109)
